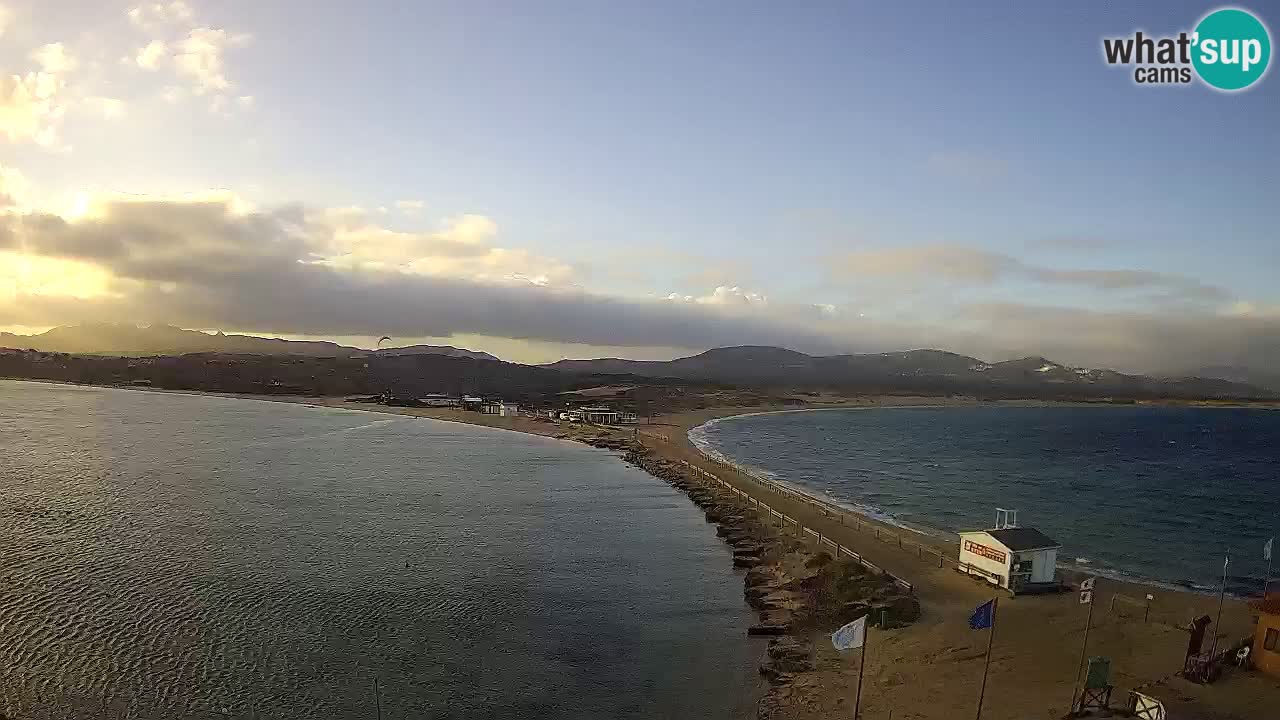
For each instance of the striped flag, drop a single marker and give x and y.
(1266, 549)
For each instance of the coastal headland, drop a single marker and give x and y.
(926, 664)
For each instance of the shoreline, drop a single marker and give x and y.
(934, 533)
(930, 663)
(1035, 664)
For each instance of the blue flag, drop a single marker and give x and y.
(983, 616)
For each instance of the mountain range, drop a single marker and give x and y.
(132, 340)
(929, 372)
(926, 371)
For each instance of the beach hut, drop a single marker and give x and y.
(1018, 559)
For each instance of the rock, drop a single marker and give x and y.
(905, 609)
(767, 629)
(847, 613)
(821, 559)
(786, 657)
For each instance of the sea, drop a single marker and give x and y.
(1162, 495)
(181, 556)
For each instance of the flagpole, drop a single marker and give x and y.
(1084, 647)
(1266, 582)
(1222, 594)
(862, 664)
(991, 636)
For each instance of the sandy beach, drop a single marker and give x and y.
(932, 668)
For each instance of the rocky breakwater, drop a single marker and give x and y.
(800, 591)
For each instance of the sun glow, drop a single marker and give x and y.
(51, 277)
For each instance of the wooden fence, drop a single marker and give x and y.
(789, 525)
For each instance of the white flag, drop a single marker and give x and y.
(1266, 549)
(851, 636)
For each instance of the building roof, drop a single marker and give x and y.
(1018, 539)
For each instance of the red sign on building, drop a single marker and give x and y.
(986, 552)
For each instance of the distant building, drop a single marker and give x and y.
(602, 415)
(471, 402)
(1265, 652)
(599, 415)
(502, 409)
(440, 400)
(1015, 558)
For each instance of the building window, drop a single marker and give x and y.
(1272, 639)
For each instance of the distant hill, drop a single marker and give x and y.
(130, 340)
(922, 371)
(436, 368)
(1269, 379)
(446, 350)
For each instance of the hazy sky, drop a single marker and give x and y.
(547, 179)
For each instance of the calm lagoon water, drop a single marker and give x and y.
(1159, 494)
(190, 556)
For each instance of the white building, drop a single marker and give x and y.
(1015, 558)
(502, 409)
(440, 400)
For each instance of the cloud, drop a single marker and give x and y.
(150, 56)
(6, 17)
(957, 264)
(199, 57)
(410, 207)
(930, 261)
(196, 53)
(108, 108)
(214, 260)
(33, 105)
(210, 261)
(13, 190)
(1134, 341)
(723, 295)
(54, 59)
(152, 16)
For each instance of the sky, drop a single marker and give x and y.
(646, 180)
